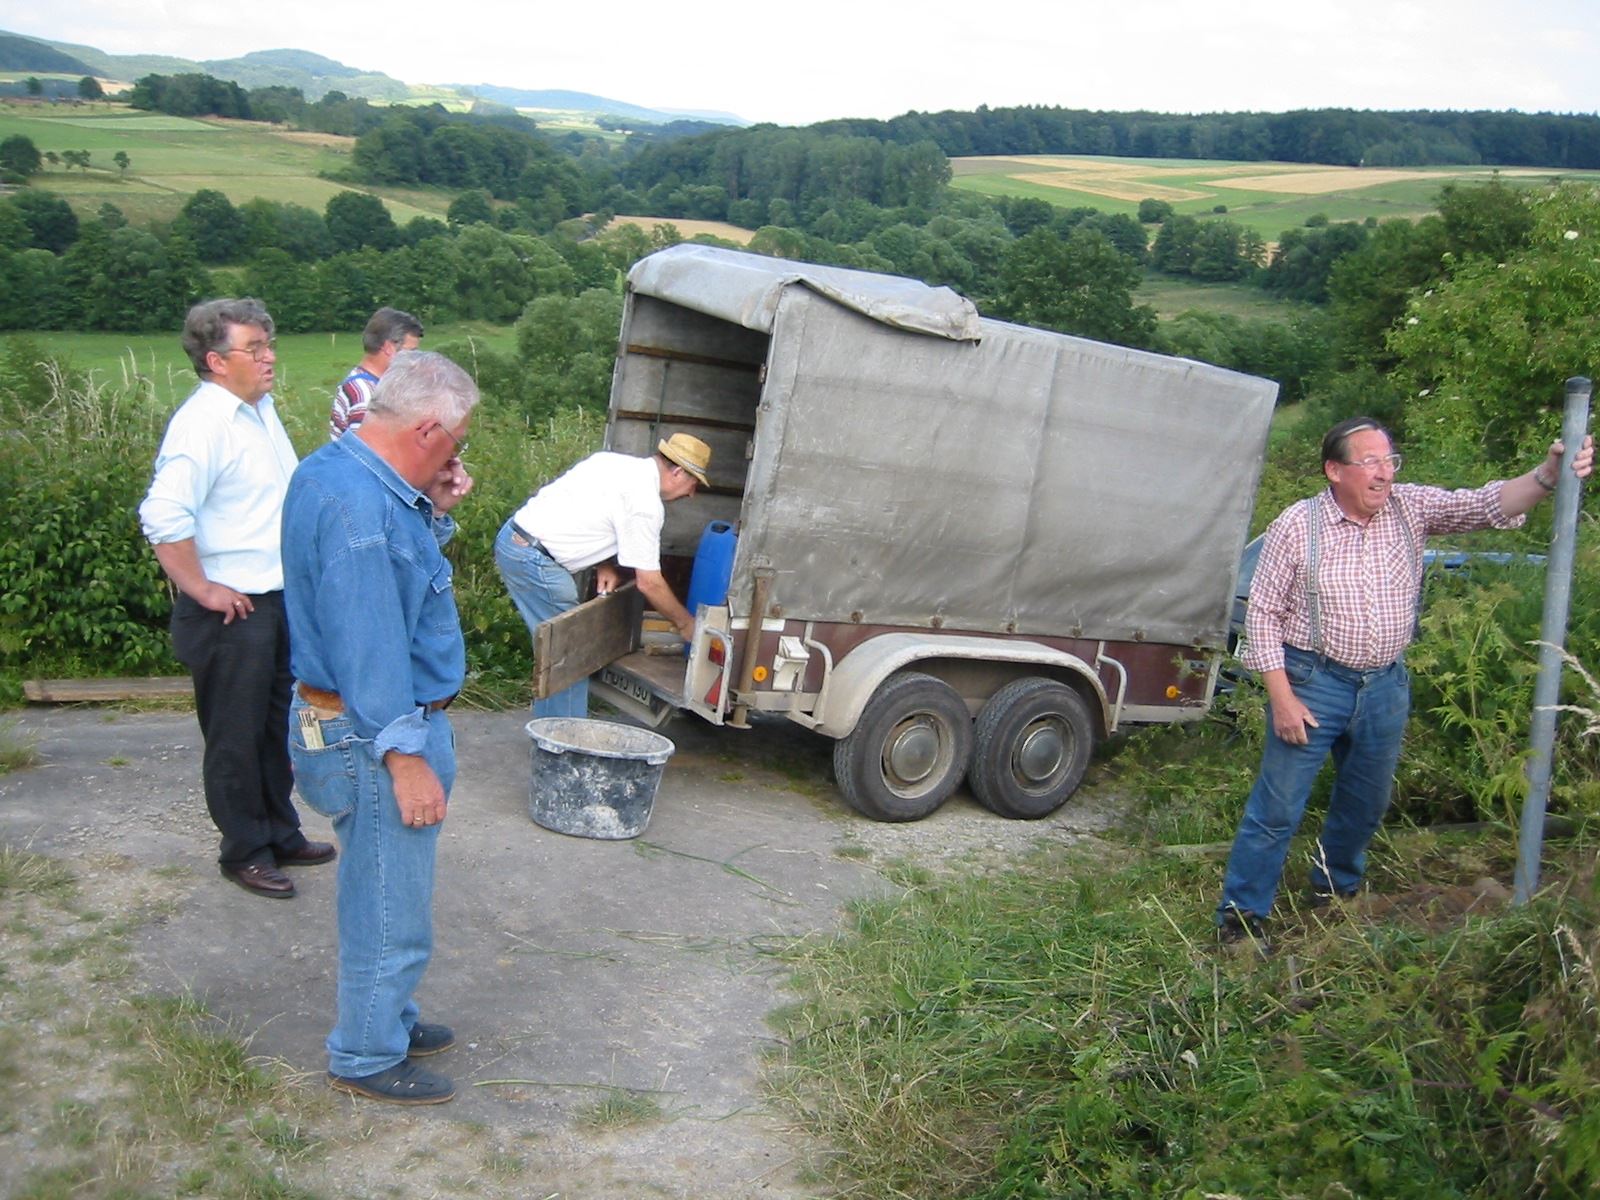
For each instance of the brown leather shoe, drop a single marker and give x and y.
(309, 855)
(262, 880)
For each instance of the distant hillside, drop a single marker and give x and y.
(24, 54)
(124, 67)
(311, 73)
(565, 101)
(715, 116)
(315, 76)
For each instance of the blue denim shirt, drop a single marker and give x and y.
(372, 614)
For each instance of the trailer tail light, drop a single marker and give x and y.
(717, 652)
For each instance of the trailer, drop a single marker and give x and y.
(965, 549)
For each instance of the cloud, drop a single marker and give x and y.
(835, 58)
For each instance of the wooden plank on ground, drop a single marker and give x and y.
(581, 640)
(81, 691)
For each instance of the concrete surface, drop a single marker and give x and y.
(565, 964)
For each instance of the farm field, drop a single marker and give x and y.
(1170, 295)
(1265, 197)
(173, 157)
(689, 228)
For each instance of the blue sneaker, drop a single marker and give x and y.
(430, 1039)
(403, 1083)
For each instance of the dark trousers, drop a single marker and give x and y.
(241, 694)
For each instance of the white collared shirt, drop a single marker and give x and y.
(220, 478)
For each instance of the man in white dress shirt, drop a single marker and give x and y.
(212, 515)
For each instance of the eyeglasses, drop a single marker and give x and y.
(256, 350)
(460, 443)
(1372, 462)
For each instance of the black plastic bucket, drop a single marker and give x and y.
(594, 779)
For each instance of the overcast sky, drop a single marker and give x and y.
(797, 63)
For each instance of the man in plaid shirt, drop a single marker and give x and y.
(1329, 653)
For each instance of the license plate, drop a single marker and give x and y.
(629, 686)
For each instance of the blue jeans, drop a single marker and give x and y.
(541, 588)
(1361, 718)
(385, 904)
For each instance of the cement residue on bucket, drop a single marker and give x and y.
(594, 779)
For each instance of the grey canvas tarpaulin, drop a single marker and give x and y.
(745, 289)
(913, 464)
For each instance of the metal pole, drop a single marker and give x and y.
(1553, 635)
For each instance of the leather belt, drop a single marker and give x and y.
(330, 704)
(522, 537)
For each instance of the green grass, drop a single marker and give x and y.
(17, 752)
(619, 1107)
(172, 157)
(1070, 1029)
(1170, 295)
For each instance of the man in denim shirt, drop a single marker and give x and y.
(377, 653)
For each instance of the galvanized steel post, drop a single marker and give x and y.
(1553, 635)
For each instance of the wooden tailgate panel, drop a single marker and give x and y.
(580, 641)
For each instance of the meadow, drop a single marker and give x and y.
(1265, 197)
(173, 157)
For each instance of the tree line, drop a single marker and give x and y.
(1339, 136)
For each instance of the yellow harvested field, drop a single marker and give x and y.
(1119, 187)
(1327, 179)
(689, 229)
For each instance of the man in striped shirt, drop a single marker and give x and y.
(1333, 605)
(388, 332)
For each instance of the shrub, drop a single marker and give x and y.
(83, 593)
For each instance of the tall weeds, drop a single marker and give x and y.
(83, 593)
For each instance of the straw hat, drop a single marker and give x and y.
(690, 453)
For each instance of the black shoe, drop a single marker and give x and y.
(311, 854)
(1321, 897)
(1237, 927)
(403, 1083)
(430, 1039)
(262, 880)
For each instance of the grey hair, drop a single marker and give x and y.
(388, 325)
(206, 327)
(424, 383)
(1336, 442)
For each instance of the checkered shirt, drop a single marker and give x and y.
(1367, 576)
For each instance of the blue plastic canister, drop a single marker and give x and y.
(713, 566)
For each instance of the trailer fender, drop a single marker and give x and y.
(857, 676)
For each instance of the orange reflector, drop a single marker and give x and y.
(1173, 691)
(760, 674)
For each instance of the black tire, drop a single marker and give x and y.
(1031, 746)
(908, 751)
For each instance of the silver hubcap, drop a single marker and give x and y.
(912, 752)
(1039, 752)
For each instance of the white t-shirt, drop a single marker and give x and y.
(609, 504)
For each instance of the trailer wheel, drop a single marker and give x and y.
(908, 751)
(1031, 747)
